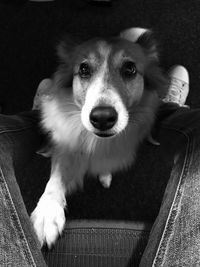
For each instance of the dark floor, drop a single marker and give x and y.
(28, 34)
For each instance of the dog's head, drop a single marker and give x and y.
(108, 79)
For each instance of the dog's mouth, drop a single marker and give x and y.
(104, 135)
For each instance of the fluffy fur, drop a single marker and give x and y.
(121, 73)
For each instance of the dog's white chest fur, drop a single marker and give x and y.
(101, 155)
(111, 155)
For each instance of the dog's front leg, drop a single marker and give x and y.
(48, 218)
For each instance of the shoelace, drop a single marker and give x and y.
(176, 92)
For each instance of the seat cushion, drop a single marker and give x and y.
(99, 244)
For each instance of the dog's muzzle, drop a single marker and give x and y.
(103, 118)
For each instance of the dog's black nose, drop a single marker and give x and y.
(103, 117)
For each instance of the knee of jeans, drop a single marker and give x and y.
(188, 122)
(193, 125)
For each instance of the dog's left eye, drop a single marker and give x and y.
(84, 70)
(128, 70)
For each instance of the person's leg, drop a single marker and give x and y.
(175, 236)
(19, 138)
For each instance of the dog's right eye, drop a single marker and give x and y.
(84, 70)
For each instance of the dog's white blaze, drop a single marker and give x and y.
(99, 93)
(104, 50)
(96, 95)
(91, 100)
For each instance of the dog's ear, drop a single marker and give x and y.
(65, 49)
(132, 34)
(144, 38)
(154, 78)
(65, 52)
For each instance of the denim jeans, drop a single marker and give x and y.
(175, 237)
(18, 244)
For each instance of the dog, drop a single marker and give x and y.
(101, 105)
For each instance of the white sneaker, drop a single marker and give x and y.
(179, 86)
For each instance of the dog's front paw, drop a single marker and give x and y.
(48, 220)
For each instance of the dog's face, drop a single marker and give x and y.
(107, 82)
(109, 79)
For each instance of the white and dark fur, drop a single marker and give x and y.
(96, 74)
